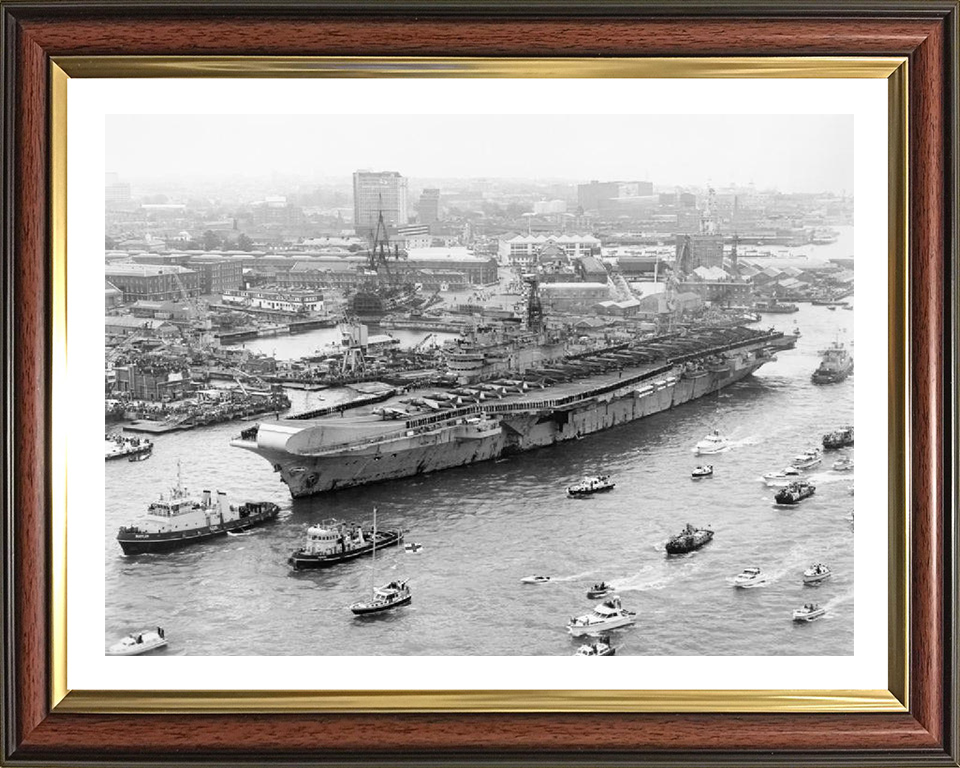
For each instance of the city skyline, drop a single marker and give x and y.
(791, 153)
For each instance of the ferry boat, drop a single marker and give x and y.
(535, 579)
(843, 465)
(816, 574)
(809, 612)
(181, 519)
(712, 443)
(774, 307)
(385, 598)
(781, 478)
(591, 485)
(807, 459)
(333, 542)
(838, 438)
(139, 642)
(835, 365)
(609, 614)
(689, 539)
(795, 493)
(118, 446)
(599, 590)
(749, 578)
(705, 470)
(600, 648)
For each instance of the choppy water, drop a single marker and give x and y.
(484, 527)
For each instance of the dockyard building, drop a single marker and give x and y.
(112, 295)
(152, 282)
(565, 297)
(523, 250)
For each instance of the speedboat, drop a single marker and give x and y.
(807, 459)
(609, 614)
(816, 574)
(599, 590)
(139, 642)
(750, 578)
(590, 485)
(535, 579)
(843, 465)
(704, 470)
(809, 612)
(781, 478)
(795, 493)
(712, 443)
(385, 598)
(600, 648)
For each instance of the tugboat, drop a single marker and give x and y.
(816, 574)
(807, 459)
(599, 590)
(704, 470)
(749, 578)
(387, 597)
(181, 520)
(609, 614)
(839, 438)
(712, 443)
(600, 648)
(809, 612)
(535, 579)
(843, 465)
(689, 539)
(117, 446)
(333, 542)
(795, 493)
(591, 485)
(835, 365)
(139, 642)
(781, 478)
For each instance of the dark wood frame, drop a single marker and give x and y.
(925, 32)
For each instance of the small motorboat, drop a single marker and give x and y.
(139, 642)
(809, 612)
(807, 459)
(843, 465)
(712, 443)
(142, 456)
(385, 598)
(591, 485)
(781, 478)
(535, 579)
(414, 548)
(599, 590)
(689, 539)
(600, 648)
(609, 614)
(704, 470)
(816, 574)
(795, 493)
(749, 578)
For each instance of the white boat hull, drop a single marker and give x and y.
(808, 616)
(749, 584)
(137, 649)
(578, 630)
(817, 578)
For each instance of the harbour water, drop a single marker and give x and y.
(486, 526)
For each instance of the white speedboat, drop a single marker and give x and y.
(807, 459)
(816, 574)
(704, 470)
(712, 443)
(535, 579)
(139, 642)
(600, 648)
(809, 612)
(843, 465)
(781, 478)
(750, 578)
(609, 614)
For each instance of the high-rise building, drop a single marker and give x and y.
(376, 192)
(430, 206)
(116, 192)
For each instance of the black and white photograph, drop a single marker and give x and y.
(479, 385)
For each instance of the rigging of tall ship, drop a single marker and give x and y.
(519, 387)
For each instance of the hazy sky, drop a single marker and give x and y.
(802, 153)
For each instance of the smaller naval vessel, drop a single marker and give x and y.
(835, 365)
(689, 539)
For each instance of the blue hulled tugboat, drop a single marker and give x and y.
(333, 542)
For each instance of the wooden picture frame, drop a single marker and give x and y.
(916, 723)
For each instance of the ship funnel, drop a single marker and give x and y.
(206, 498)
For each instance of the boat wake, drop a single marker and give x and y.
(825, 478)
(742, 442)
(834, 602)
(574, 577)
(647, 581)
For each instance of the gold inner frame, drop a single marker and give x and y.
(894, 699)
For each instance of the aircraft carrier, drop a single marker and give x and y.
(403, 433)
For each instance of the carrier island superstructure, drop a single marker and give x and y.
(513, 402)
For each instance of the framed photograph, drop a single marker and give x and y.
(444, 345)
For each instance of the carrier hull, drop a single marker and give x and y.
(505, 429)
